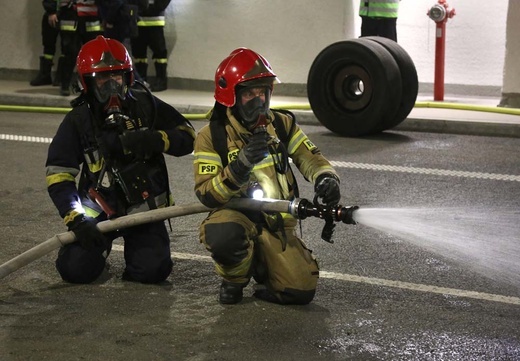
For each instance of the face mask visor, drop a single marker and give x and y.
(109, 89)
(252, 103)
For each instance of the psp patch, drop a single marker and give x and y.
(310, 145)
(232, 155)
(208, 169)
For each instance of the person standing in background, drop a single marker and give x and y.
(50, 31)
(379, 18)
(79, 23)
(151, 34)
(119, 20)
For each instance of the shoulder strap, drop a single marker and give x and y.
(219, 139)
(87, 138)
(282, 132)
(284, 137)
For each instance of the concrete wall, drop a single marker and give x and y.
(290, 33)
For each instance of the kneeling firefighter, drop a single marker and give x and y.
(114, 139)
(245, 147)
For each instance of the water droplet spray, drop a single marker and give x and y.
(484, 240)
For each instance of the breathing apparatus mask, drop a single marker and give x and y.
(107, 93)
(252, 105)
(251, 109)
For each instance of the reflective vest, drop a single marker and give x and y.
(379, 8)
(86, 8)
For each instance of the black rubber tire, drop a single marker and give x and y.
(334, 93)
(409, 80)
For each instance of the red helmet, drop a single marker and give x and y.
(240, 66)
(103, 55)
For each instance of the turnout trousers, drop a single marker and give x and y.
(146, 253)
(274, 256)
(149, 37)
(49, 38)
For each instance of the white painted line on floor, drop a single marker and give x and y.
(430, 171)
(25, 138)
(378, 282)
(421, 287)
(341, 164)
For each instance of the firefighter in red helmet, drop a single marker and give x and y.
(113, 141)
(246, 148)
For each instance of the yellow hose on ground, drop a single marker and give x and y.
(470, 107)
(300, 106)
(438, 105)
(57, 110)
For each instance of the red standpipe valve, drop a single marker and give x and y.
(440, 13)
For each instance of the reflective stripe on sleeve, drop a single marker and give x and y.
(221, 188)
(207, 157)
(55, 174)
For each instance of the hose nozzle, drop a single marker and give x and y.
(346, 214)
(337, 213)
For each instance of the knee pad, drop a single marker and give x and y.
(227, 241)
(76, 265)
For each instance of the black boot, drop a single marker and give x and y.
(66, 75)
(142, 69)
(65, 87)
(261, 292)
(161, 81)
(230, 293)
(44, 75)
(59, 70)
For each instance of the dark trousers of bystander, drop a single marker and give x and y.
(385, 27)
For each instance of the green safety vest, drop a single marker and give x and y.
(379, 8)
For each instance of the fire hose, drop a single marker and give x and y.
(300, 208)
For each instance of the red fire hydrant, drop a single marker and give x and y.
(440, 13)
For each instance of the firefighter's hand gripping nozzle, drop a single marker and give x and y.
(303, 208)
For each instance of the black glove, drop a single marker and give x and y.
(252, 153)
(327, 188)
(143, 143)
(86, 232)
(256, 150)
